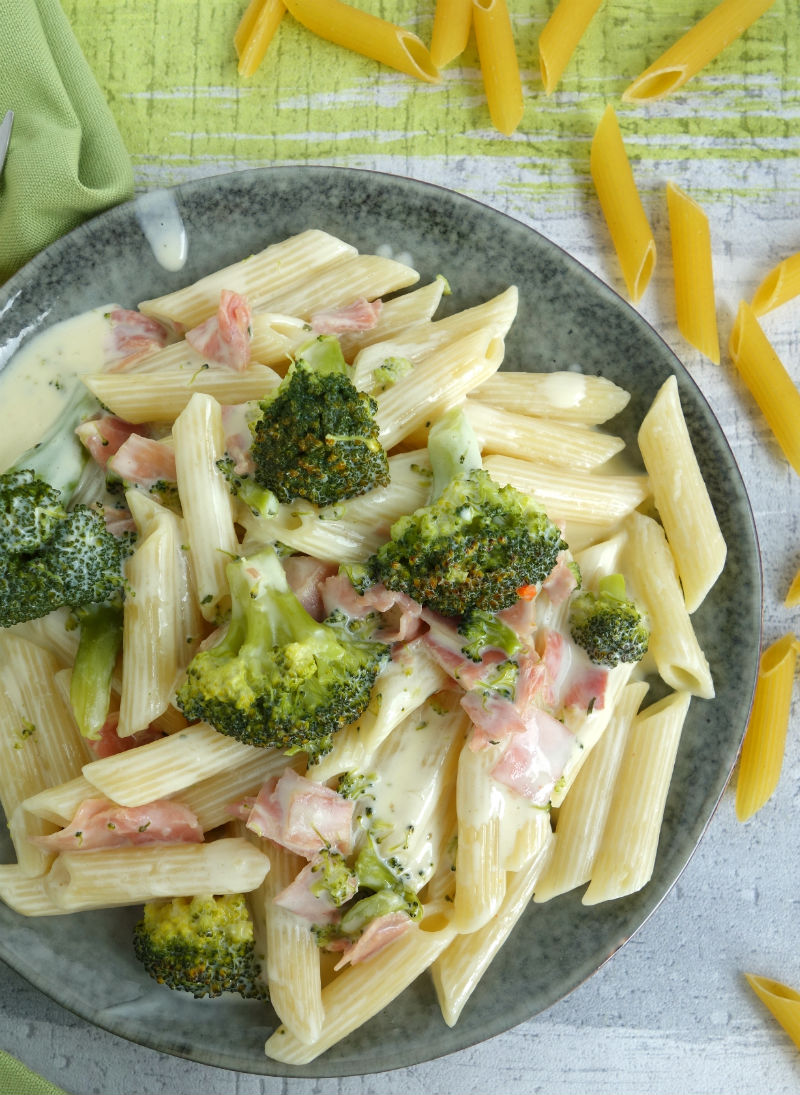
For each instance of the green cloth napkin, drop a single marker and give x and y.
(17, 1079)
(66, 160)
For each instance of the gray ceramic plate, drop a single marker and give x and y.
(566, 317)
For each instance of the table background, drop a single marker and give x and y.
(671, 1012)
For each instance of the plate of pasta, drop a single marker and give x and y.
(366, 662)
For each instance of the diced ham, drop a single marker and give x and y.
(445, 643)
(299, 897)
(379, 933)
(587, 688)
(493, 718)
(305, 575)
(360, 315)
(104, 436)
(144, 461)
(521, 618)
(132, 335)
(110, 743)
(534, 761)
(560, 582)
(224, 339)
(403, 615)
(238, 436)
(302, 816)
(99, 823)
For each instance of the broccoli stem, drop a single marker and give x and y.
(453, 449)
(59, 458)
(90, 686)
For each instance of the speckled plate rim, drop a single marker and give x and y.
(408, 1032)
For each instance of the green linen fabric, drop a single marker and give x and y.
(17, 1079)
(66, 161)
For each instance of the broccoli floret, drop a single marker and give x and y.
(30, 509)
(95, 660)
(484, 631)
(333, 877)
(317, 437)
(476, 544)
(278, 677)
(607, 624)
(202, 945)
(260, 501)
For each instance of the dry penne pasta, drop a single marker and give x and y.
(366, 34)
(499, 65)
(770, 384)
(452, 21)
(765, 738)
(255, 32)
(681, 496)
(782, 1000)
(622, 206)
(793, 593)
(695, 49)
(695, 303)
(780, 285)
(560, 35)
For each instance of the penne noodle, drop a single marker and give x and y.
(147, 397)
(59, 803)
(111, 877)
(561, 34)
(255, 32)
(494, 36)
(793, 594)
(695, 303)
(366, 34)
(622, 207)
(452, 22)
(566, 396)
(401, 313)
(584, 811)
(654, 580)
(765, 738)
(781, 285)
(692, 52)
(627, 851)
(458, 970)
(770, 384)
(681, 496)
(361, 991)
(480, 873)
(369, 276)
(26, 895)
(781, 1000)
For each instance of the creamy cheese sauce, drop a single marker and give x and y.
(160, 221)
(37, 382)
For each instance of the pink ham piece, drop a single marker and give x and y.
(299, 898)
(144, 461)
(379, 933)
(99, 823)
(224, 339)
(493, 718)
(587, 688)
(305, 575)
(110, 743)
(238, 436)
(403, 614)
(302, 816)
(104, 436)
(534, 761)
(560, 582)
(132, 335)
(360, 315)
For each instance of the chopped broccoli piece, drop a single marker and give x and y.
(30, 509)
(484, 631)
(502, 679)
(202, 945)
(278, 677)
(59, 458)
(90, 681)
(335, 877)
(317, 437)
(389, 372)
(476, 544)
(607, 624)
(260, 501)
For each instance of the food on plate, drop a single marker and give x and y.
(343, 735)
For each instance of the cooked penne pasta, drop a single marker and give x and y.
(560, 35)
(627, 852)
(782, 1000)
(365, 33)
(352, 277)
(780, 285)
(499, 65)
(400, 313)
(695, 303)
(480, 872)
(621, 205)
(25, 894)
(770, 384)
(692, 52)
(681, 496)
(566, 396)
(255, 32)
(765, 739)
(452, 22)
(649, 562)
